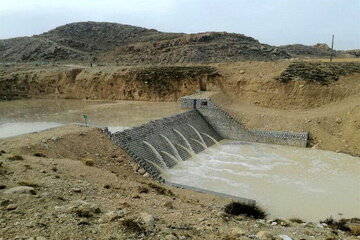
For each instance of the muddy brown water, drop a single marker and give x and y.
(24, 116)
(288, 181)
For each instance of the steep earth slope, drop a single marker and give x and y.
(329, 112)
(161, 83)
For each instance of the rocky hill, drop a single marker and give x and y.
(26, 49)
(127, 44)
(317, 50)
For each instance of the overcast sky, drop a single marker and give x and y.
(275, 22)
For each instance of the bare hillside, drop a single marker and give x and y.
(127, 44)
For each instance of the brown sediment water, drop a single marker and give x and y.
(288, 181)
(25, 116)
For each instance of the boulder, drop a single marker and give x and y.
(170, 237)
(264, 235)
(83, 209)
(11, 207)
(338, 120)
(285, 237)
(147, 218)
(112, 216)
(237, 232)
(20, 190)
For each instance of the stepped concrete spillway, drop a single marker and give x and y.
(163, 143)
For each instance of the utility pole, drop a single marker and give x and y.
(332, 48)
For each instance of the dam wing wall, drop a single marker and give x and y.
(230, 128)
(163, 143)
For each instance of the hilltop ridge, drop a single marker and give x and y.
(128, 44)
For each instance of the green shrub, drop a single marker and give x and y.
(250, 210)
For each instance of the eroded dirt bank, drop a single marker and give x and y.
(329, 112)
(166, 83)
(112, 199)
(326, 104)
(255, 83)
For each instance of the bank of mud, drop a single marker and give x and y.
(327, 110)
(152, 83)
(114, 199)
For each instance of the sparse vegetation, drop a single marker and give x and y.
(161, 190)
(321, 72)
(143, 189)
(15, 157)
(131, 225)
(88, 162)
(39, 154)
(296, 220)
(355, 229)
(29, 183)
(126, 45)
(153, 75)
(337, 224)
(238, 208)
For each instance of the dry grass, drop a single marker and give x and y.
(88, 162)
(161, 190)
(296, 220)
(355, 229)
(15, 157)
(29, 183)
(39, 154)
(130, 225)
(334, 60)
(337, 224)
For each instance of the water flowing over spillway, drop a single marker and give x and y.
(212, 139)
(177, 161)
(199, 135)
(173, 148)
(188, 146)
(157, 154)
(200, 143)
(287, 181)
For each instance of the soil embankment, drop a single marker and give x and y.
(329, 112)
(74, 188)
(166, 83)
(255, 83)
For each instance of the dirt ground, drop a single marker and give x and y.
(330, 113)
(113, 199)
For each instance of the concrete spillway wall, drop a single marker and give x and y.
(159, 133)
(163, 143)
(230, 128)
